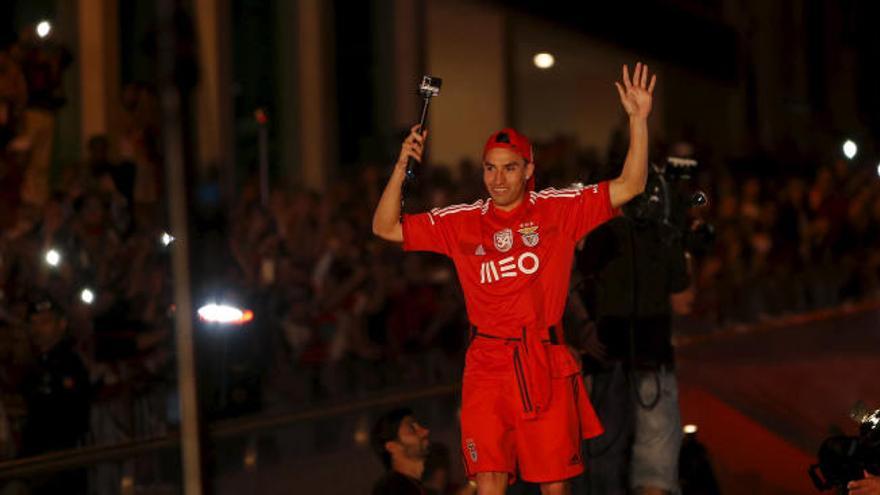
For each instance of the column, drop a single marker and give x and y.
(215, 139)
(98, 66)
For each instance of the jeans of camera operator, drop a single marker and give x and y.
(631, 360)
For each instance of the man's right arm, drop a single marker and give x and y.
(386, 218)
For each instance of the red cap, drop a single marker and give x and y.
(512, 140)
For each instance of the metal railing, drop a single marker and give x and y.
(88, 456)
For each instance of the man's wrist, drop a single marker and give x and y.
(399, 171)
(638, 120)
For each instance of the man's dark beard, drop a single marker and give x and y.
(416, 451)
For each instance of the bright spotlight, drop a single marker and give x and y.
(53, 257)
(225, 314)
(43, 29)
(850, 149)
(87, 296)
(544, 60)
(689, 429)
(878, 170)
(166, 239)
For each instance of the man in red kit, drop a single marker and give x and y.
(523, 403)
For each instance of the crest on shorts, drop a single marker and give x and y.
(529, 235)
(471, 448)
(503, 240)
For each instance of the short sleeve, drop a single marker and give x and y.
(426, 232)
(585, 208)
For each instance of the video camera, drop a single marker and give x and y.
(666, 201)
(845, 458)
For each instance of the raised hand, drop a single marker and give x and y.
(637, 94)
(412, 146)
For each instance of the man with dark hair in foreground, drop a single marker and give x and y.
(402, 445)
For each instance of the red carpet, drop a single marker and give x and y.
(748, 458)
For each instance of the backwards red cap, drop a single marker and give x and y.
(512, 140)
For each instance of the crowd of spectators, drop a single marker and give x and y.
(790, 243)
(348, 317)
(84, 292)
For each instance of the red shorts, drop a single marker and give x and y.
(495, 434)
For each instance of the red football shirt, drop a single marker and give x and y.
(514, 266)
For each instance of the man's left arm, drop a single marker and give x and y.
(636, 96)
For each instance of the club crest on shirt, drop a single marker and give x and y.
(529, 233)
(504, 240)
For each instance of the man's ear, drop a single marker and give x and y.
(530, 170)
(392, 447)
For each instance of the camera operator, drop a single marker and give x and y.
(851, 463)
(631, 267)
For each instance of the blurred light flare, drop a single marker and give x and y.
(689, 429)
(362, 432)
(43, 29)
(166, 239)
(225, 314)
(250, 457)
(53, 257)
(544, 60)
(261, 116)
(87, 296)
(850, 149)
